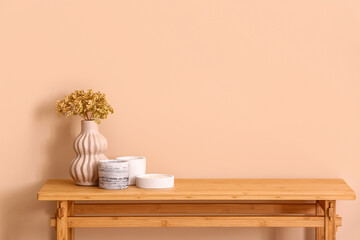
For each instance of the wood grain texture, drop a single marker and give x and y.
(62, 221)
(338, 224)
(71, 211)
(208, 189)
(330, 220)
(194, 208)
(215, 221)
(320, 234)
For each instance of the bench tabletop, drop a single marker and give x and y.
(207, 189)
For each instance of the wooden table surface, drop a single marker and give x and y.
(207, 189)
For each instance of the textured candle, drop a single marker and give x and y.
(113, 174)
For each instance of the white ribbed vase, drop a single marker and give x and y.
(90, 147)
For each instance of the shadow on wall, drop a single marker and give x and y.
(56, 138)
(294, 233)
(21, 208)
(59, 150)
(53, 133)
(59, 144)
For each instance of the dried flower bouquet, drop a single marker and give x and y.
(90, 105)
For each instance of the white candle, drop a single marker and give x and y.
(137, 166)
(155, 181)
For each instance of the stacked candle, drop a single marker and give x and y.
(130, 170)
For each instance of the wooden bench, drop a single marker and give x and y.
(201, 203)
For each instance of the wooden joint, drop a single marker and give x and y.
(338, 222)
(331, 211)
(164, 223)
(60, 212)
(53, 222)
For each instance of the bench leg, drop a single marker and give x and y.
(320, 231)
(330, 220)
(71, 231)
(62, 232)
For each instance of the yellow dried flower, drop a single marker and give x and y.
(90, 105)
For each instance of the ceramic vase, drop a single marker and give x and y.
(90, 147)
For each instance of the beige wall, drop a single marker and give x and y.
(201, 88)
